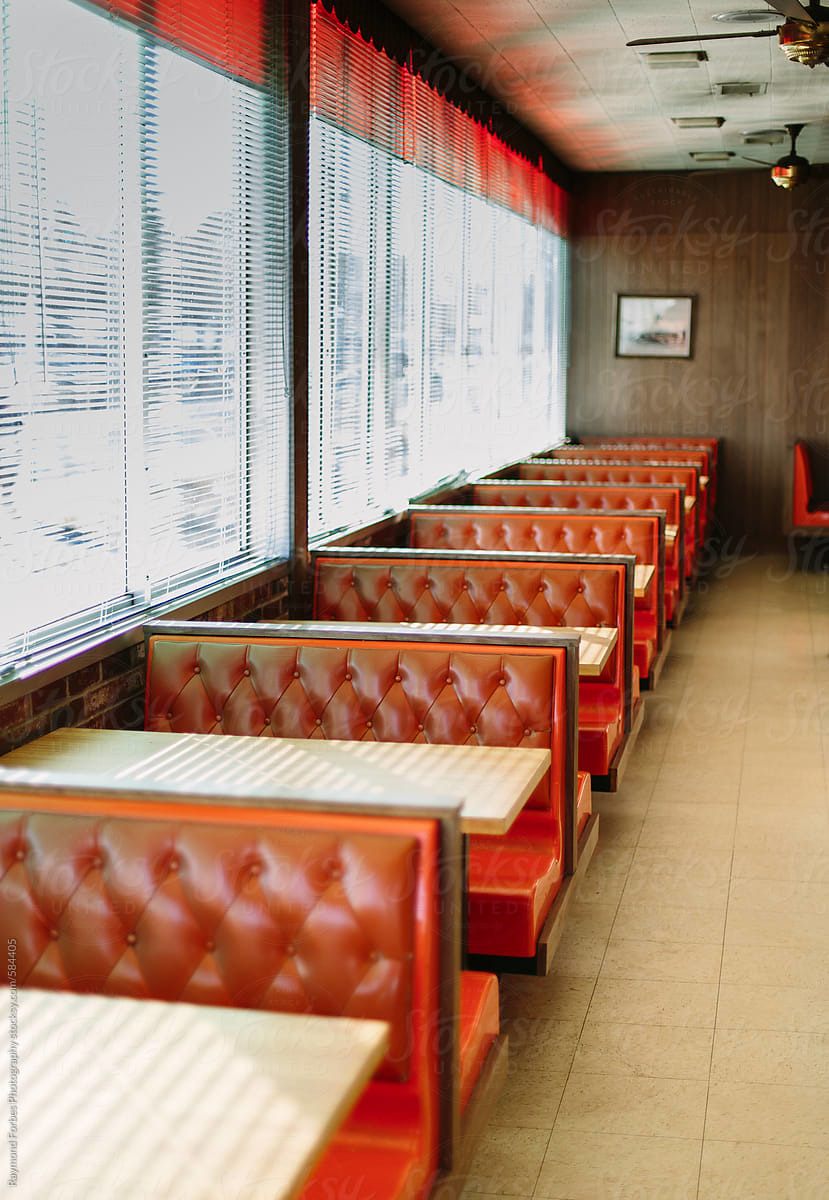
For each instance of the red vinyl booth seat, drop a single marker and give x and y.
(351, 588)
(710, 446)
(336, 914)
(687, 477)
(600, 497)
(444, 527)
(664, 457)
(807, 510)
(265, 684)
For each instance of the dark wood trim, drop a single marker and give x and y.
(611, 781)
(450, 902)
(475, 1118)
(297, 17)
(658, 663)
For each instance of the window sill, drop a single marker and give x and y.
(48, 667)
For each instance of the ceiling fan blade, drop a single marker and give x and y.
(793, 10)
(701, 37)
(759, 161)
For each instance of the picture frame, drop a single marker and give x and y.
(654, 326)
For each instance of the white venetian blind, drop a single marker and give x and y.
(143, 252)
(437, 262)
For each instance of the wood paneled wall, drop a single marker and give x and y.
(757, 260)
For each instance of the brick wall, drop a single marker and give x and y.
(110, 694)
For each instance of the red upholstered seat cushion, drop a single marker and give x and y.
(512, 882)
(368, 1167)
(644, 650)
(480, 1023)
(584, 797)
(601, 726)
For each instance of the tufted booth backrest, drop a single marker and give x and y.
(501, 592)
(570, 495)
(539, 469)
(642, 442)
(473, 527)
(327, 913)
(614, 497)
(476, 528)
(266, 683)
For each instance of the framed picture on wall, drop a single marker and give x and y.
(653, 326)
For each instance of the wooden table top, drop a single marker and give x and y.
(595, 648)
(642, 576)
(142, 1099)
(490, 784)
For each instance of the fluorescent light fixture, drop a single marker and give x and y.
(663, 59)
(711, 155)
(741, 89)
(698, 122)
(762, 137)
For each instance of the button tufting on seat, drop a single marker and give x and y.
(296, 674)
(255, 868)
(368, 724)
(54, 933)
(173, 864)
(348, 678)
(132, 938)
(448, 678)
(336, 873)
(374, 956)
(246, 671)
(398, 678)
(318, 721)
(20, 855)
(473, 728)
(210, 947)
(420, 727)
(169, 716)
(197, 670)
(218, 716)
(267, 720)
(528, 733)
(290, 950)
(97, 862)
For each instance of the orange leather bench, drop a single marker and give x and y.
(382, 682)
(808, 511)
(666, 457)
(564, 532)
(600, 497)
(710, 445)
(499, 587)
(686, 477)
(262, 906)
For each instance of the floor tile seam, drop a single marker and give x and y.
(716, 1013)
(639, 1075)
(698, 1025)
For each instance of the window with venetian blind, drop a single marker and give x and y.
(438, 289)
(144, 268)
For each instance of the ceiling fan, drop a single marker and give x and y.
(789, 171)
(803, 38)
(792, 169)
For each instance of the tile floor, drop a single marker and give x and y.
(680, 1047)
